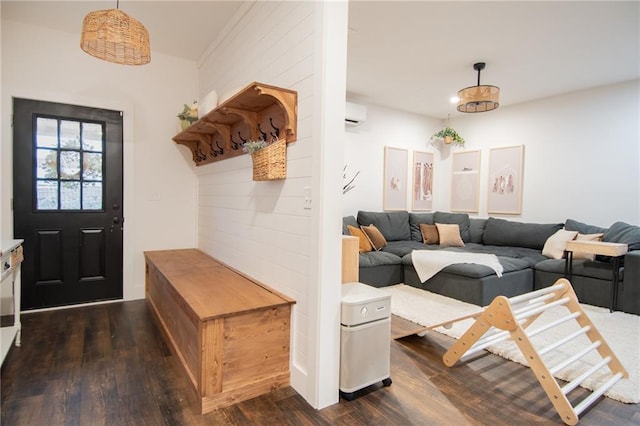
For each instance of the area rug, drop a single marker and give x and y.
(620, 330)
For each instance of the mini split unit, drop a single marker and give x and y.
(354, 114)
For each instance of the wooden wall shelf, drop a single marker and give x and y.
(259, 111)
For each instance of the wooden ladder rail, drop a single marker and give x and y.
(508, 318)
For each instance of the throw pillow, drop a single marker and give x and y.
(555, 244)
(365, 245)
(429, 234)
(449, 235)
(375, 236)
(587, 237)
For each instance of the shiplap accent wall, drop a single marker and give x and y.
(263, 228)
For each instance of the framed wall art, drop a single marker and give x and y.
(395, 178)
(465, 181)
(504, 195)
(422, 191)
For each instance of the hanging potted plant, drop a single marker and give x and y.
(448, 135)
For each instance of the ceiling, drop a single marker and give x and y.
(414, 56)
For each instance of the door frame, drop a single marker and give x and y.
(128, 252)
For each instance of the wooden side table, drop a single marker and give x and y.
(615, 250)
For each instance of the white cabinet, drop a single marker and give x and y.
(11, 259)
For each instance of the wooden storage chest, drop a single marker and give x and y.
(230, 333)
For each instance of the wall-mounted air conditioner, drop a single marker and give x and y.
(354, 114)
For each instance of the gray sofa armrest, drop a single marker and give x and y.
(629, 290)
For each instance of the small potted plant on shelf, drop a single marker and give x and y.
(251, 147)
(189, 115)
(448, 135)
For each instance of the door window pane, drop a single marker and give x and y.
(69, 195)
(70, 165)
(92, 195)
(92, 166)
(92, 137)
(47, 163)
(47, 132)
(69, 134)
(47, 195)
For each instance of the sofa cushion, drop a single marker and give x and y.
(581, 267)
(462, 219)
(415, 219)
(501, 232)
(375, 237)
(476, 229)
(583, 228)
(364, 244)
(449, 234)
(621, 232)
(401, 248)
(555, 244)
(394, 226)
(378, 258)
(349, 221)
(429, 234)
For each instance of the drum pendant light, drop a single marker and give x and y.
(480, 98)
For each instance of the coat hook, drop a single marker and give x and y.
(234, 145)
(264, 135)
(221, 150)
(241, 138)
(277, 135)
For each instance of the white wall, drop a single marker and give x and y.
(263, 228)
(581, 161)
(159, 186)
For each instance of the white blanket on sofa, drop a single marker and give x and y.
(429, 262)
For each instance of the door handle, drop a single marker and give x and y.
(116, 219)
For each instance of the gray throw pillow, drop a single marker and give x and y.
(462, 219)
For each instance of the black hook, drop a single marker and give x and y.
(264, 135)
(241, 138)
(220, 148)
(234, 145)
(277, 135)
(201, 155)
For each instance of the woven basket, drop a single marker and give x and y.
(270, 163)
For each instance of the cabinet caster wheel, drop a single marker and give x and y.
(387, 382)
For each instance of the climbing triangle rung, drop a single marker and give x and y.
(563, 341)
(510, 318)
(574, 357)
(584, 376)
(585, 403)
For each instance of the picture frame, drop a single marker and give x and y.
(422, 182)
(395, 178)
(504, 192)
(465, 181)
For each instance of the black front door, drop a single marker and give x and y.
(67, 202)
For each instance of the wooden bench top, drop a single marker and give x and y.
(209, 287)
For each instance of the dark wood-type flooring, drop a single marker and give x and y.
(110, 365)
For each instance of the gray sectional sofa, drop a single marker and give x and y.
(518, 247)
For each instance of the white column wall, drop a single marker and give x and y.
(263, 228)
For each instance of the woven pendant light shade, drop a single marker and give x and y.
(114, 36)
(480, 98)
